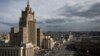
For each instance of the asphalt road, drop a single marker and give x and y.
(62, 50)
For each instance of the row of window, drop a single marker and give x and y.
(9, 52)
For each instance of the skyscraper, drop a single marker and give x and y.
(27, 28)
(23, 40)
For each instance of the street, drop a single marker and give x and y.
(60, 51)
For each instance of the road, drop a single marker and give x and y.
(60, 51)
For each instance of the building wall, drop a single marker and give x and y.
(7, 38)
(27, 24)
(25, 50)
(28, 49)
(14, 37)
(32, 31)
(39, 37)
(26, 37)
(47, 43)
(27, 29)
(11, 51)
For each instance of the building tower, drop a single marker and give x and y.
(27, 26)
(27, 32)
(23, 40)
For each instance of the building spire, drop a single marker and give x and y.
(28, 3)
(28, 8)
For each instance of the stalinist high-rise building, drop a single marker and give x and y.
(27, 28)
(23, 39)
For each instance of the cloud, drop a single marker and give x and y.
(54, 15)
(9, 24)
(55, 21)
(75, 11)
(73, 27)
(39, 22)
(4, 28)
(91, 12)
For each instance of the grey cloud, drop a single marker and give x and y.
(74, 27)
(93, 11)
(1, 18)
(9, 24)
(97, 28)
(67, 10)
(60, 21)
(4, 28)
(53, 26)
(39, 22)
(96, 21)
(56, 24)
(55, 21)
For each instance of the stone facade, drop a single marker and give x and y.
(25, 50)
(48, 43)
(23, 40)
(40, 37)
(14, 36)
(27, 28)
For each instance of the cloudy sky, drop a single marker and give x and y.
(53, 15)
